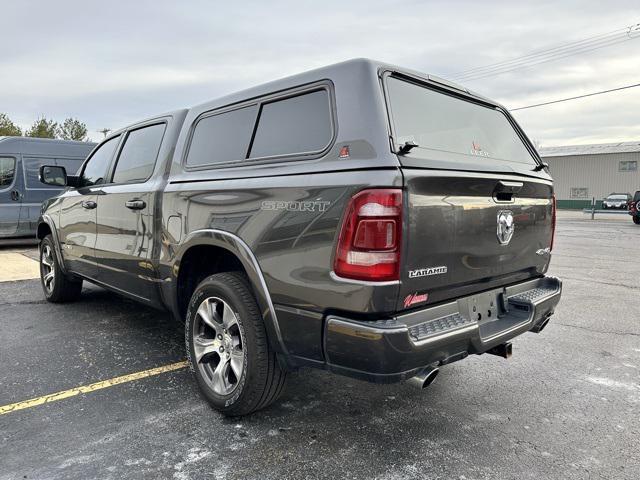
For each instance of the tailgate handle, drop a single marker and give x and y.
(505, 190)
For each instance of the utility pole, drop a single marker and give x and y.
(104, 131)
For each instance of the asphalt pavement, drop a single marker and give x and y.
(565, 406)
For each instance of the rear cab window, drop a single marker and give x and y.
(291, 126)
(451, 130)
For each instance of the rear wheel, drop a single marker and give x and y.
(636, 219)
(56, 285)
(228, 349)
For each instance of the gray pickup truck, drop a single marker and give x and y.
(361, 218)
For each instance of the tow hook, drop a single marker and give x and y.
(503, 350)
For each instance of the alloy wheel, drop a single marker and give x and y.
(47, 268)
(218, 344)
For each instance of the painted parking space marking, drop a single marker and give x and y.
(16, 266)
(72, 392)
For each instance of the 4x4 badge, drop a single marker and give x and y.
(506, 226)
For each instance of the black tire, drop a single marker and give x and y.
(261, 380)
(636, 219)
(56, 285)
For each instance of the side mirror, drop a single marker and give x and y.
(53, 175)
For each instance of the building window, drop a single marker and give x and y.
(628, 166)
(579, 192)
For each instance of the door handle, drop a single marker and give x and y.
(89, 204)
(135, 204)
(15, 195)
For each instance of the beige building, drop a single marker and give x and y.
(582, 172)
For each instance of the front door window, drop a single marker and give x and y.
(95, 170)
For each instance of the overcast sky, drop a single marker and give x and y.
(114, 62)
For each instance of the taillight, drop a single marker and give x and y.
(370, 237)
(553, 220)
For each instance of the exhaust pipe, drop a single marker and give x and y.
(503, 350)
(424, 378)
(540, 326)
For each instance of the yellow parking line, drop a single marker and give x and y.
(72, 392)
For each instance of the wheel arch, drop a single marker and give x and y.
(43, 230)
(47, 226)
(212, 240)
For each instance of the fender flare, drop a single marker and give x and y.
(46, 219)
(236, 246)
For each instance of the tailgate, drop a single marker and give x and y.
(467, 232)
(478, 200)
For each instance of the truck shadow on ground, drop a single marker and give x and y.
(312, 394)
(316, 404)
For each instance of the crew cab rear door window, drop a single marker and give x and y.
(138, 155)
(223, 137)
(294, 125)
(452, 128)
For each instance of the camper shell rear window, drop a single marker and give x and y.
(451, 128)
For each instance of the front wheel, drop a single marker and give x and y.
(56, 285)
(227, 346)
(636, 219)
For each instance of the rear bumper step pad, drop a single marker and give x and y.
(393, 349)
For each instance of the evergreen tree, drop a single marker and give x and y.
(8, 128)
(43, 128)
